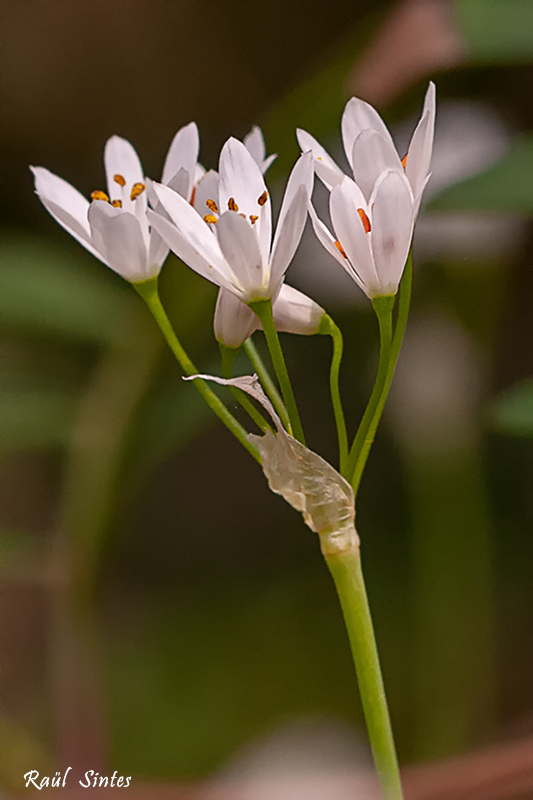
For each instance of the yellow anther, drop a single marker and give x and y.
(364, 219)
(319, 158)
(120, 179)
(212, 205)
(210, 218)
(243, 216)
(340, 248)
(253, 218)
(116, 203)
(98, 194)
(232, 205)
(136, 190)
(404, 161)
(264, 197)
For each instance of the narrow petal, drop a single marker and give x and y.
(158, 250)
(207, 189)
(255, 144)
(183, 248)
(373, 154)
(345, 202)
(357, 117)
(302, 174)
(325, 167)
(180, 183)
(192, 228)
(288, 235)
(421, 146)
(294, 312)
(183, 154)
(119, 237)
(120, 158)
(392, 229)
(327, 240)
(240, 246)
(66, 205)
(242, 183)
(234, 322)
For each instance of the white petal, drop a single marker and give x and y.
(239, 244)
(183, 154)
(325, 167)
(120, 158)
(241, 181)
(207, 189)
(327, 240)
(302, 174)
(158, 250)
(345, 200)
(180, 183)
(392, 229)
(268, 161)
(192, 229)
(67, 206)
(421, 146)
(118, 235)
(357, 117)
(255, 144)
(294, 312)
(234, 322)
(373, 154)
(185, 250)
(288, 235)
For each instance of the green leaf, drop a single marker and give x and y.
(512, 412)
(45, 289)
(505, 187)
(496, 31)
(35, 417)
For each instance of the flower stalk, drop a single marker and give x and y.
(345, 568)
(228, 355)
(330, 328)
(149, 292)
(263, 309)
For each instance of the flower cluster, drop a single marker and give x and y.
(220, 223)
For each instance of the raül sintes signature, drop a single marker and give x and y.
(91, 780)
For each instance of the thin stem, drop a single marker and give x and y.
(228, 357)
(266, 381)
(263, 309)
(149, 292)
(327, 326)
(361, 442)
(389, 355)
(345, 567)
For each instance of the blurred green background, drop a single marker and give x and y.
(160, 608)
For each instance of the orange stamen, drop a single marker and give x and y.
(340, 248)
(404, 161)
(136, 190)
(253, 218)
(264, 197)
(116, 203)
(232, 205)
(210, 218)
(120, 179)
(212, 205)
(98, 194)
(364, 220)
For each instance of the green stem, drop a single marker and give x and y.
(148, 290)
(228, 357)
(263, 309)
(345, 567)
(389, 353)
(363, 440)
(266, 381)
(327, 326)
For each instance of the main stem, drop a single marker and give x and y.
(263, 309)
(345, 567)
(150, 294)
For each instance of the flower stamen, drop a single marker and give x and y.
(212, 205)
(120, 179)
(263, 198)
(340, 248)
(136, 190)
(364, 219)
(98, 194)
(404, 161)
(232, 205)
(116, 203)
(253, 218)
(211, 219)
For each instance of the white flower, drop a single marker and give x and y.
(373, 215)
(114, 226)
(231, 245)
(255, 144)
(293, 312)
